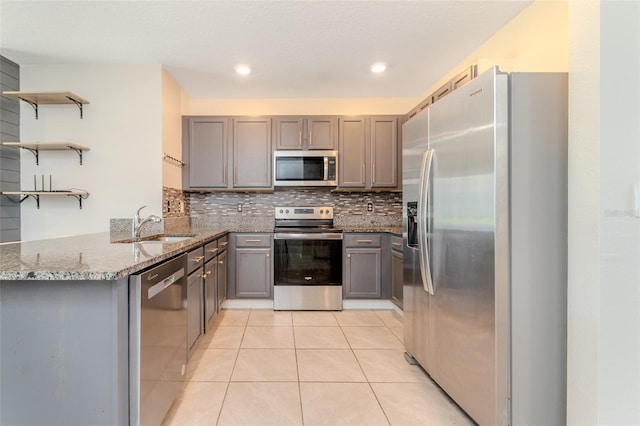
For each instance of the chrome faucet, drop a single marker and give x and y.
(138, 223)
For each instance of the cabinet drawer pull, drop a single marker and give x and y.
(396, 244)
(253, 241)
(365, 241)
(198, 259)
(224, 243)
(213, 250)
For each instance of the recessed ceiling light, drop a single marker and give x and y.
(243, 69)
(378, 68)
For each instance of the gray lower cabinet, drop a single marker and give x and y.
(222, 279)
(204, 151)
(396, 270)
(210, 291)
(194, 310)
(195, 262)
(365, 271)
(251, 266)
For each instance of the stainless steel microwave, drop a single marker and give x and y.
(305, 168)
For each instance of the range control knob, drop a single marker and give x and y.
(287, 211)
(321, 211)
(281, 211)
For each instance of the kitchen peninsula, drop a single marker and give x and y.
(65, 327)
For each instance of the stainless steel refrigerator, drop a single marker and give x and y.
(485, 246)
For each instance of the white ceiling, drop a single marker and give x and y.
(297, 49)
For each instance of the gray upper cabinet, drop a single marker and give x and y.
(369, 153)
(352, 147)
(205, 151)
(252, 152)
(322, 132)
(384, 152)
(312, 132)
(288, 132)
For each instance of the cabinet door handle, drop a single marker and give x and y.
(224, 176)
(363, 174)
(300, 138)
(365, 241)
(310, 137)
(253, 241)
(213, 250)
(373, 173)
(349, 255)
(198, 259)
(235, 174)
(268, 255)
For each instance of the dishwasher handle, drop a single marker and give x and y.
(156, 289)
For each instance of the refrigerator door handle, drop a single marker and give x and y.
(423, 196)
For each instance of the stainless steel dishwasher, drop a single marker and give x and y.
(158, 339)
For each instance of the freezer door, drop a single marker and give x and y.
(415, 299)
(462, 129)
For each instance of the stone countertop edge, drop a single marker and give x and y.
(91, 257)
(94, 257)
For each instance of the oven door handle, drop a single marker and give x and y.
(307, 236)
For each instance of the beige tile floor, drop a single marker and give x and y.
(260, 367)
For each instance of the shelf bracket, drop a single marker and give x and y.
(78, 151)
(78, 197)
(35, 153)
(78, 104)
(34, 105)
(34, 196)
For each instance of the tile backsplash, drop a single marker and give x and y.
(349, 207)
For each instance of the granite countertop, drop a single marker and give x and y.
(395, 230)
(91, 256)
(96, 257)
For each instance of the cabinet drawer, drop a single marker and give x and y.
(195, 259)
(362, 240)
(396, 243)
(253, 240)
(222, 243)
(210, 250)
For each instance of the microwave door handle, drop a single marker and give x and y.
(326, 168)
(423, 196)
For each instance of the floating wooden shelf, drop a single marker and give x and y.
(48, 98)
(77, 194)
(36, 147)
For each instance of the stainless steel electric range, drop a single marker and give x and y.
(307, 260)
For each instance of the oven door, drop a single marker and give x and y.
(307, 271)
(308, 259)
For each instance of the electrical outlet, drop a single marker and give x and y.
(239, 207)
(369, 206)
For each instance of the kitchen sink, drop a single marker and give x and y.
(160, 238)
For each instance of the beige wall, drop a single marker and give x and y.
(171, 130)
(536, 40)
(121, 126)
(341, 106)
